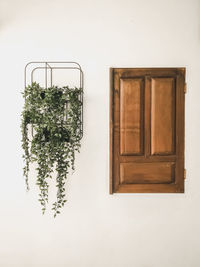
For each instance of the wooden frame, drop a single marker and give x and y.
(159, 164)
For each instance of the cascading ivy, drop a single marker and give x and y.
(54, 116)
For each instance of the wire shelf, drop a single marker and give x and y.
(51, 66)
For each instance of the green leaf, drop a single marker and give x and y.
(55, 139)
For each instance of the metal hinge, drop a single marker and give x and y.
(185, 88)
(184, 174)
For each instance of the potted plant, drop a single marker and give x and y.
(54, 115)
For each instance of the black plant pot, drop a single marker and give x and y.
(42, 94)
(46, 134)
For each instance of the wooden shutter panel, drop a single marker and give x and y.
(147, 130)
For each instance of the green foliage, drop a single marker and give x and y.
(54, 115)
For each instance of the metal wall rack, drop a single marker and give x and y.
(51, 66)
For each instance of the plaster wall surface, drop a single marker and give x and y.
(96, 229)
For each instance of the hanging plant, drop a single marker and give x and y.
(54, 115)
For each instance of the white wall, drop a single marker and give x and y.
(96, 229)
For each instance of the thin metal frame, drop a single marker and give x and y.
(48, 65)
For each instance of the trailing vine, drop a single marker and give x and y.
(54, 115)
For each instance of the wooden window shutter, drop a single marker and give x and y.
(147, 130)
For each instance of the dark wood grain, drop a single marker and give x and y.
(147, 173)
(131, 116)
(162, 116)
(147, 130)
(111, 130)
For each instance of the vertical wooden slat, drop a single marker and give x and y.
(180, 133)
(162, 116)
(111, 130)
(131, 116)
(147, 110)
(116, 125)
